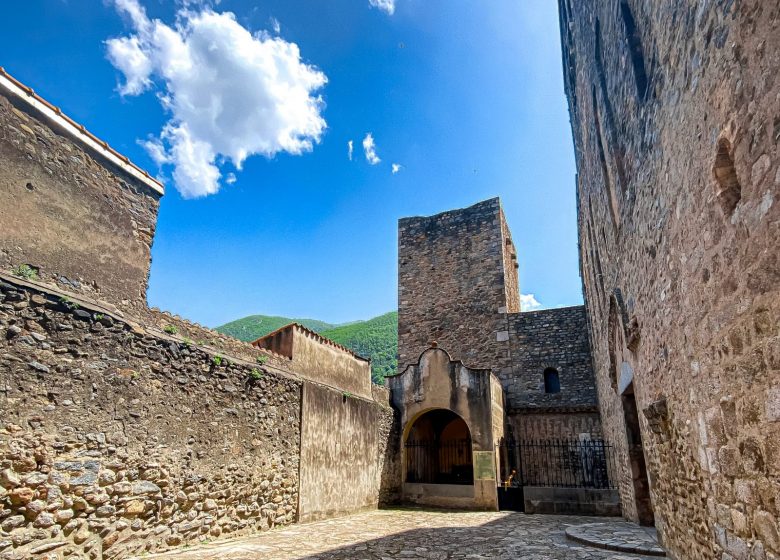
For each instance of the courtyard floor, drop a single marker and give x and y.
(415, 534)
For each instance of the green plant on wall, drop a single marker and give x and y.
(171, 329)
(69, 303)
(25, 271)
(256, 374)
(262, 359)
(217, 360)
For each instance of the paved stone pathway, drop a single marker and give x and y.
(413, 534)
(620, 537)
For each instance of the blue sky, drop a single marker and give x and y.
(466, 96)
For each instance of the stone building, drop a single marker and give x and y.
(458, 287)
(123, 429)
(458, 292)
(674, 113)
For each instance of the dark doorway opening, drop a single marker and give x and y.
(438, 450)
(636, 458)
(552, 381)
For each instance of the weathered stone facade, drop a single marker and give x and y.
(458, 286)
(69, 214)
(674, 111)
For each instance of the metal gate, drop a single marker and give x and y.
(439, 462)
(562, 463)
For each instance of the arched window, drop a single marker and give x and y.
(552, 383)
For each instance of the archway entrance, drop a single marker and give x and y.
(438, 450)
(636, 455)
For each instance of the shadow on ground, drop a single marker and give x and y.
(434, 535)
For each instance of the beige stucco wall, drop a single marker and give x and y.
(343, 448)
(329, 364)
(437, 382)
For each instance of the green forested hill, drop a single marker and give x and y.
(253, 327)
(375, 338)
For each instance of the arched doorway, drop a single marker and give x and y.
(438, 449)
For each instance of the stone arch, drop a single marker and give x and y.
(438, 449)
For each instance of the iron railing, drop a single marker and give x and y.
(563, 463)
(439, 462)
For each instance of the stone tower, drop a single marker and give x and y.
(457, 280)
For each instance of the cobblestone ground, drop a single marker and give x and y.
(414, 534)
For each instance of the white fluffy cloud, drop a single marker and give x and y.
(528, 302)
(387, 6)
(396, 167)
(350, 149)
(231, 94)
(369, 148)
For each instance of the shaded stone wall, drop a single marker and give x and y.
(552, 424)
(79, 221)
(674, 115)
(452, 286)
(551, 338)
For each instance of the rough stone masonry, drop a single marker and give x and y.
(675, 113)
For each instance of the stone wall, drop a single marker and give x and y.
(556, 339)
(117, 439)
(550, 425)
(451, 285)
(674, 115)
(72, 217)
(114, 441)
